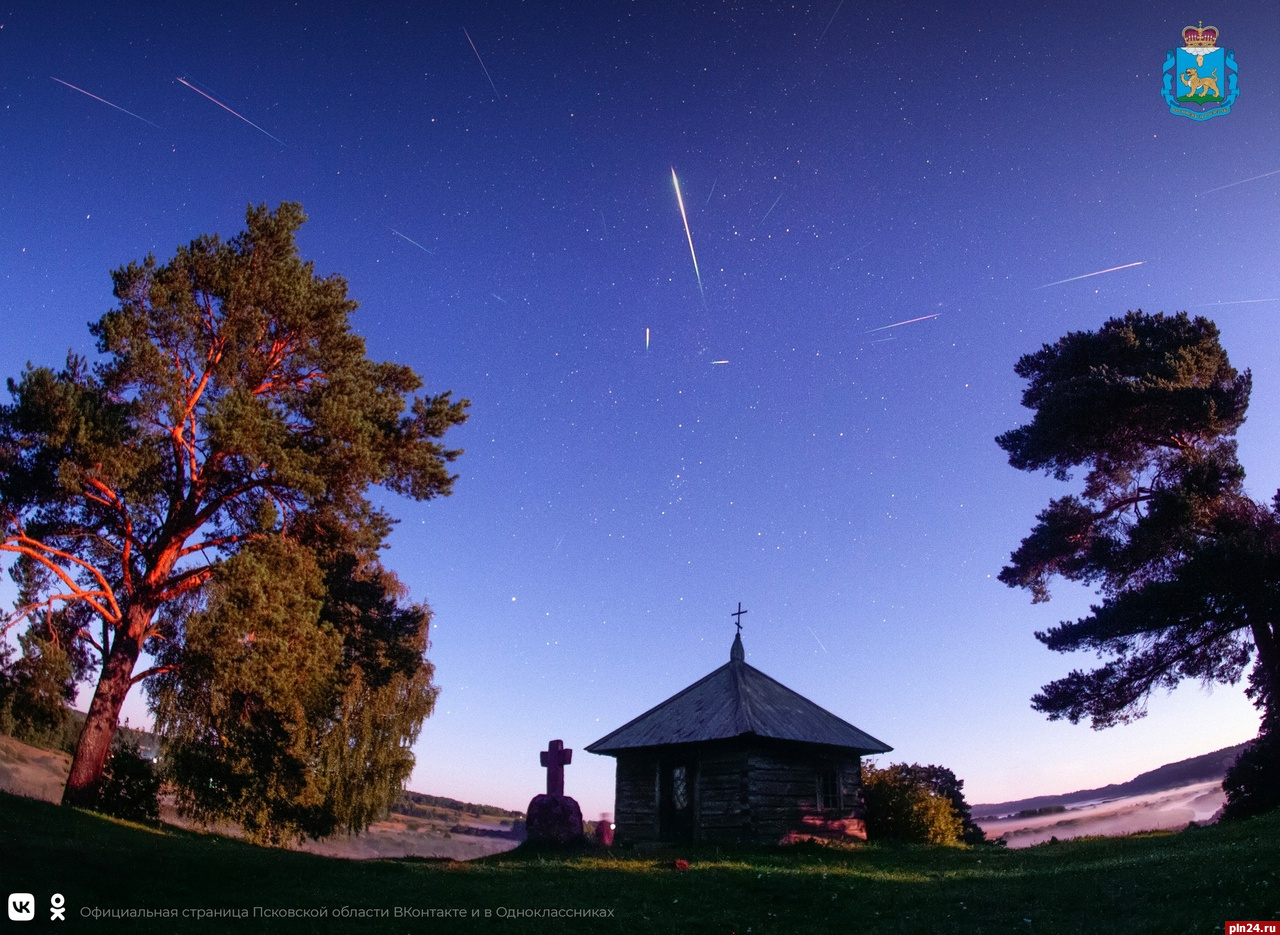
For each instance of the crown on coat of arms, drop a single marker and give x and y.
(1200, 37)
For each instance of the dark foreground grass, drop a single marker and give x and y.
(1169, 883)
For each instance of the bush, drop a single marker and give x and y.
(131, 785)
(901, 806)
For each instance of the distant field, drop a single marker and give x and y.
(1169, 810)
(1188, 882)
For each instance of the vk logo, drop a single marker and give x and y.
(22, 907)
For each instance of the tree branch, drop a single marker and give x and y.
(154, 670)
(35, 550)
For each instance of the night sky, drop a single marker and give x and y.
(505, 215)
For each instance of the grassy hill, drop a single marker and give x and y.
(1187, 882)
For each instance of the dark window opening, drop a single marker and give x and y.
(829, 791)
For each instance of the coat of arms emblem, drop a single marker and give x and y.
(1200, 79)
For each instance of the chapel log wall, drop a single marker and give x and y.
(741, 792)
(636, 798)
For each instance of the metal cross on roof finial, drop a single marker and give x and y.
(738, 622)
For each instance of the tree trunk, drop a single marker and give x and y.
(1267, 664)
(85, 781)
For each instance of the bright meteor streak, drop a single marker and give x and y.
(899, 324)
(102, 100)
(1087, 275)
(230, 111)
(411, 240)
(685, 218)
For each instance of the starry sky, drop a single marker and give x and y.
(645, 449)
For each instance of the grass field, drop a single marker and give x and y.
(1187, 882)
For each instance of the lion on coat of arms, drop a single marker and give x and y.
(1200, 86)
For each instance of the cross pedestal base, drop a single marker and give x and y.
(554, 819)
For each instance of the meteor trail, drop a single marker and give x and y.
(719, 362)
(820, 38)
(712, 192)
(412, 241)
(810, 629)
(856, 251)
(685, 218)
(899, 324)
(102, 100)
(1237, 302)
(1220, 187)
(646, 339)
(481, 61)
(230, 111)
(771, 207)
(1087, 275)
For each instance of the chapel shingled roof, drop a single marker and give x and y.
(734, 700)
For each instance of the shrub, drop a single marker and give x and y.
(901, 806)
(131, 785)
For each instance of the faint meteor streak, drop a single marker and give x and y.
(646, 339)
(714, 362)
(102, 100)
(856, 251)
(481, 61)
(684, 217)
(899, 324)
(1087, 275)
(712, 192)
(1237, 302)
(771, 207)
(1241, 182)
(230, 111)
(411, 240)
(820, 38)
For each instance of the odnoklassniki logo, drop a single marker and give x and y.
(1200, 79)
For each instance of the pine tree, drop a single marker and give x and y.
(1187, 565)
(232, 410)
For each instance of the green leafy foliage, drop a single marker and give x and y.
(35, 690)
(1187, 565)
(255, 678)
(131, 785)
(904, 803)
(232, 406)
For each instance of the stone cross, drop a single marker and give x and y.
(555, 758)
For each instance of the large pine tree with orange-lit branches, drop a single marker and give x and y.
(231, 407)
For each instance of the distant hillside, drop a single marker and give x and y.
(1204, 768)
(431, 806)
